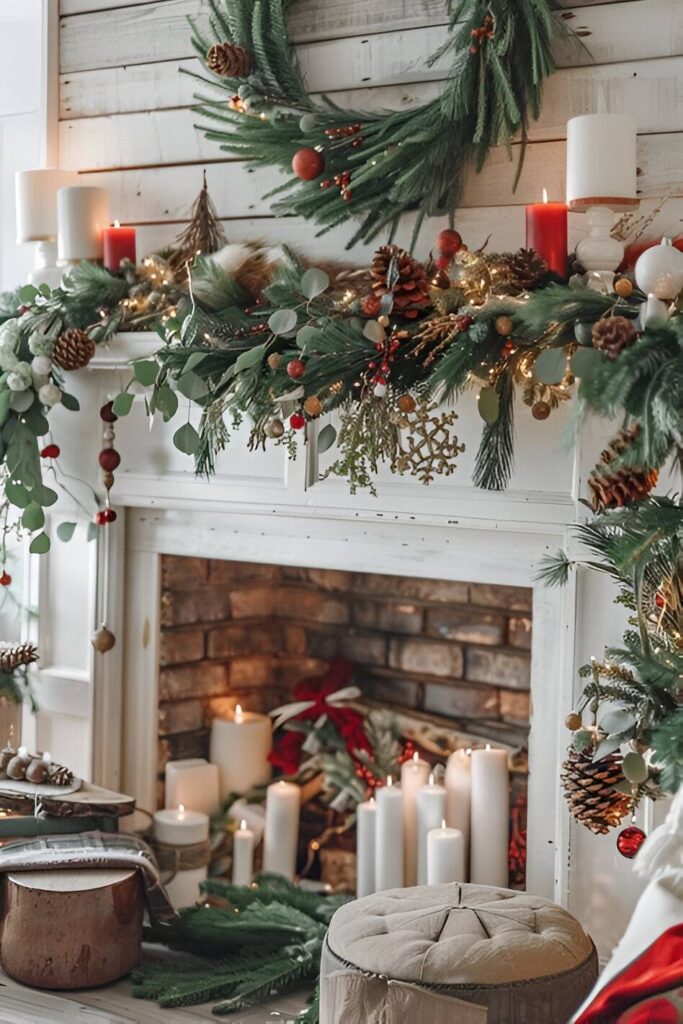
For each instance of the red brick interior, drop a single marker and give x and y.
(236, 631)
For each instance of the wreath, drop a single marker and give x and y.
(374, 165)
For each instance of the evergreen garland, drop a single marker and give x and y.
(501, 53)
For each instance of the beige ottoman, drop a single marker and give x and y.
(466, 953)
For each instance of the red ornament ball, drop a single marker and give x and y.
(297, 421)
(448, 242)
(308, 163)
(5, 579)
(109, 460)
(443, 262)
(50, 451)
(107, 414)
(104, 516)
(630, 840)
(296, 368)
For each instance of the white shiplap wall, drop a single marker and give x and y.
(126, 120)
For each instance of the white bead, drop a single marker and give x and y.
(379, 390)
(50, 394)
(41, 365)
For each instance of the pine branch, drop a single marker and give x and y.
(493, 464)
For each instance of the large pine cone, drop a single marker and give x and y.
(229, 60)
(515, 272)
(589, 790)
(74, 349)
(623, 485)
(612, 334)
(394, 270)
(14, 655)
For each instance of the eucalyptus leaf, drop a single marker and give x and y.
(166, 401)
(45, 496)
(618, 720)
(308, 122)
(192, 386)
(35, 421)
(307, 337)
(374, 331)
(251, 357)
(314, 282)
(282, 321)
(4, 406)
(488, 405)
(145, 371)
(123, 403)
(607, 746)
(326, 438)
(551, 366)
(65, 531)
(27, 294)
(186, 439)
(40, 545)
(33, 517)
(586, 361)
(193, 360)
(17, 494)
(70, 402)
(91, 532)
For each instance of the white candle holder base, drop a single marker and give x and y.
(600, 254)
(45, 269)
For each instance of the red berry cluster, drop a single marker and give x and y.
(109, 460)
(344, 132)
(386, 353)
(342, 181)
(367, 776)
(481, 35)
(408, 752)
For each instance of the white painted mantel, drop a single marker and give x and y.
(263, 507)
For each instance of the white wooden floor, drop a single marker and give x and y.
(114, 1004)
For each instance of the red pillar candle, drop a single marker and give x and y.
(119, 244)
(546, 232)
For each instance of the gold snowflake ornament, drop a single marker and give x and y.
(428, 448)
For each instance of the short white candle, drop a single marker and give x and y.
(283, 807)
(445, 855)
(194, 783)
(490, 817)
(47, 757)
(243, 855)
(82, 212)
(366, 824)
(180, 827)
(240, 745)
(36, 202)
(601, 159)
(458, 782)
(431, 811)
(414, 774)
(389, 838)
(183, 888)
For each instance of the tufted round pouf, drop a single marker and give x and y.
(523, 958)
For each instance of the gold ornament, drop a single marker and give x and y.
(313, 406)
(623, 287)
(471, 276)
(540, 410)
(407, 403)
(428, 449)
(274, 428)
(504, 326)
(274, 360)
(103, 639)
(573, 721)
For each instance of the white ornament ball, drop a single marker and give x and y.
(21, 401)
(379, 390)
(50, 394)
(659, 271)
(41, 365)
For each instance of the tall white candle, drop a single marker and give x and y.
(194, 783)
(389, 838)
(36, 202)
(414, 773)
(240, 745)
(431, 811)
(445, 855)
(243, 855)
(366, 825)
(283, 805)
(458, 782)
(179, 827)
(490, 817)
(601, 160)
(82, 213)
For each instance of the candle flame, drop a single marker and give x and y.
(468, 752)
(416, 757)
(11, 734)
(443, 824)
(488, 746)
(239, 714)
(545, 195)
(390, 781)
(431, 778)
(243, 825)
(116, 224)
(181, 810)
(372, 801)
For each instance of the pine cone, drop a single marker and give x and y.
(623, 485)
(612, 334)
(74, 349)
(228, 60)
(514, 272)
(589, 790)
(58, 775)
(14, 655)
(394, 270)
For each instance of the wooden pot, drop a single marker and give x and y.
(70, 929)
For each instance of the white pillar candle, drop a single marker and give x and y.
(240, 745)
(366, 825)
(178, 827)
(194, 783)
(82, 213)
(601, 160)
(283, 806)
(183, 888)
(243, 855)
(490, 817)
(458, 782)
(414, 773)
(431, 811)
(36, 202)
(445, 855)
(389, 838)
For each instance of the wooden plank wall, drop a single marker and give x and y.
(126, 120)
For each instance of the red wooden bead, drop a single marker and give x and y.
(50, 451)
(109, 459)
(107, 413)
(630, 840)
(308, 163)
(296, 368)
(297, 421)
(104, 516)
(5, 579)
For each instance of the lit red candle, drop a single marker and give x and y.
(119, 244)
(546, 233)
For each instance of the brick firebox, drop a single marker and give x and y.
(237, 631)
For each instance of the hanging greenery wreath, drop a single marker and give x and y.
(375, 165)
